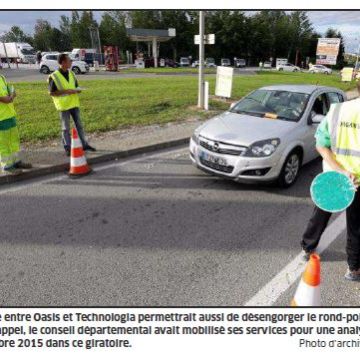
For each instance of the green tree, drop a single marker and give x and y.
(43, 39)
(183, 43)
(146, 19)
(80, 28)
(232, 33)
(112, 29)
(300, 30)
(16, 34)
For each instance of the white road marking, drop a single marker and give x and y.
(113, 163)
(268, 295)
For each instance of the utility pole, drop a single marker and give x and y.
(201, 59)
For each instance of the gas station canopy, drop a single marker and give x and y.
(153, 36)
(147, 35)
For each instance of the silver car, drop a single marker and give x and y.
(320, 69)
(266, 136)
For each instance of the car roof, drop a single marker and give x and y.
(305, 89)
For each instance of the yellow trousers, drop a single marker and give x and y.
(9, 147)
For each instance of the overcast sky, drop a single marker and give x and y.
(348, 22)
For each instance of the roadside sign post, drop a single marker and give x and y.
(201, 59)
(202, 40)
(224, 80)
(206, 95)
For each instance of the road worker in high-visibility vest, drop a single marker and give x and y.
(338, 142)
(9, 134)
(64, 90)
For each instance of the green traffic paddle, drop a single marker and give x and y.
(332, 191)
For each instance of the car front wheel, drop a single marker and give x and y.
(290, 170)
(45, 70)
(76, 70)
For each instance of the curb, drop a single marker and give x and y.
(53, 169)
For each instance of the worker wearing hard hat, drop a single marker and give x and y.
(9, 134)
(338, 142)
(63, 88)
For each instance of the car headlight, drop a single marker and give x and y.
(195, 138)
(263, 148)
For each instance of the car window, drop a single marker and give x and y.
(320, 106)
(51, 57)
(276, 104)
(335, 98)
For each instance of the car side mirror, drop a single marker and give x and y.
(232, 105)
(317, 118)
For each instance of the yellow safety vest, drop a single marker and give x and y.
(7, 111)
(65, 102)
(344, 128)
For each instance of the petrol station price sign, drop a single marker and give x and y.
(327, 51)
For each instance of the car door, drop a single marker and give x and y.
(289, 67)
(51, 62)
(318, 105)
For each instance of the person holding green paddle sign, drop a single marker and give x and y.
(338, 142)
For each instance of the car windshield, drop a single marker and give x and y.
(273, 104)
(210, 60)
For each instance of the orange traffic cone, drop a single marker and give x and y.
(78, 163)
(308, 291)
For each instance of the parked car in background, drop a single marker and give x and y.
(184, 61)
(49, 63)
(195, 64)
(288, 67)
(225, 62)
(171, 63)
(210, 62)
(240, 63)
(267, 65)
(320, 69)
(266, 136)
(166, 62)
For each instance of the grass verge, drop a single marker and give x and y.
(113, 104)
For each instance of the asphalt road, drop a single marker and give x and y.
(32, 73)
(154, 230)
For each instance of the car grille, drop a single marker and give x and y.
(222, 148)
(222, 168)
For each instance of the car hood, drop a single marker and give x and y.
(244, 130)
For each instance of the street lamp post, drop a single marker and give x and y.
(201, 59)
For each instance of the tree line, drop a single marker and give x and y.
(258, 36)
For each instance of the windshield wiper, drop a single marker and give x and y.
(252, 113)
